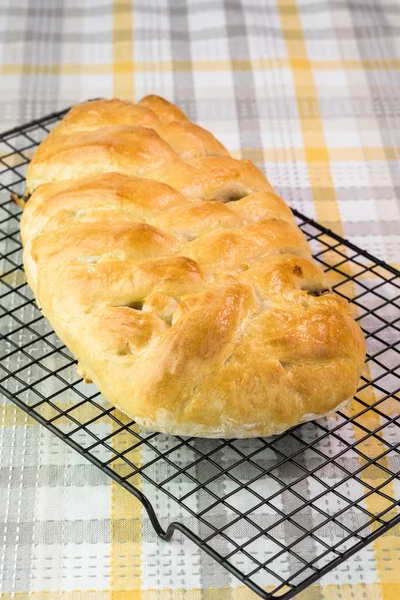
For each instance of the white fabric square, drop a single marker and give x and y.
(70, 567)
(73, 503)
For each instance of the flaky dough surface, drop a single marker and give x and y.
(179, 279)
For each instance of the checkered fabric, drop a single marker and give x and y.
(308, 90)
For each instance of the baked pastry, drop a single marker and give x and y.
(179, 279)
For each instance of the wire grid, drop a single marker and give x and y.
(276, 512)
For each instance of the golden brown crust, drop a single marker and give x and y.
(164, 110)
(190, 141)
(130, 150)
(107, 113)
(213, 178)
(178, 278)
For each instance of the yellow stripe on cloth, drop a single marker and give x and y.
(316, 152)
(126, 522)
(58, 595)
(126, 510)
(123, 49)
(346, 591)
(386, 547)
(126, 65)
(127, 595)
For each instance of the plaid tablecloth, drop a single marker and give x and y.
(308, 90)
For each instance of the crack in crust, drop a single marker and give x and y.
(179, 279)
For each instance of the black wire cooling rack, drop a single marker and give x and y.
(279, 512)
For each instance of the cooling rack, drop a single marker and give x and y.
(277, 513)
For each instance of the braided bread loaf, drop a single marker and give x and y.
(179, 280)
